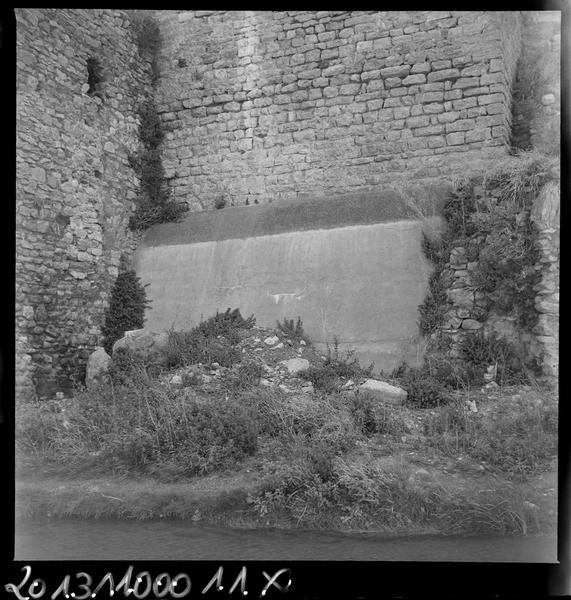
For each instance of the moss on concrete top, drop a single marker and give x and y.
(239, 222)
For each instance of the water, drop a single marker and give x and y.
(179, 540)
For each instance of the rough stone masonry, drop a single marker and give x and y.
(258, 106)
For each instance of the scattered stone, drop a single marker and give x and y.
(491, 386)
(280, 345)
(295, 365)
(547, 99)
(271, 340)
(384, 391)
(142, 342)
(471, 404)
(285, 388)
(176, 381)
(265, 382)
(491, 373)
(302, 342)
(422, 473)
(98, 365)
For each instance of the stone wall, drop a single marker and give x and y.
(546, 216)
(537, 90)
(468, 309)
(74, 187)
(330, 102)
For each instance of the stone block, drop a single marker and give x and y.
(384, 392)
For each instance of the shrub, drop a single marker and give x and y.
(154, 203)
(220, 203)
(293, 330)
(371, 418)
(247, 375)
(226, 324)
(132, 426)
(191, 347)
(423, 389)
(328, 376)
(126, 308)
(210, 341)
(479, 351)
(516, 439)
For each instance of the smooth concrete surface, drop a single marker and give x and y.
(361, 284)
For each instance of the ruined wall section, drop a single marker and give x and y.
(74, 187)
(270, 105)
(537, 90)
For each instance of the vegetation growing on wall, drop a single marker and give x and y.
(126, 309)
(154, 204)
(490, 217)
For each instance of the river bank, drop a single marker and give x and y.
(273, 435)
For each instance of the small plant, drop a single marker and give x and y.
(481, 351)
(370, 418)
(423, 389)
(293, 330)
(247, 375)
(210, 341)
(126, 308)
(226, 324)
(220, 203)
(328, 376)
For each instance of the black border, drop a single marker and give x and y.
(309, 579)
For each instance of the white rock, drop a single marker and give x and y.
(295, 365)
(176, 380)
(272, 340)
(383, 391)
(98, 365)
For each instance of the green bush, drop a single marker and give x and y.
(480, 351)
(191, 347)
(423, 389)
(226, 324)
(329, 375)
(126, 308)
(154, 203)
(371, 418)
(291, 329)
(135, 426)
(210, 341)
(247, 375)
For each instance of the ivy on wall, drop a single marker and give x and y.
(490, 217)
(154, 203)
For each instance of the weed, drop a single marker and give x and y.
(127, 427)
(423, 388)
(192, 347)
(516, 439)
(480, 351)
(226, 324)
(210, 341)
(293, 330)
(329, 375)
(126, 308)
(247, 375)
(372, 418)
(154, 204)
